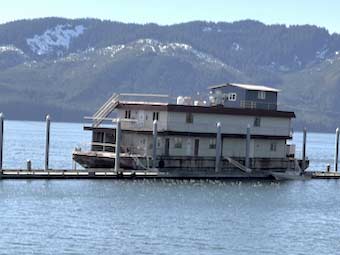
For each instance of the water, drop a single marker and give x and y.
(161, 217)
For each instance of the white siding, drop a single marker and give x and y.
(262, 149)
(143, 120)
(231, 124)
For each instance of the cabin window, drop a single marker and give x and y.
(155, 116)
(178, 143)
(189, 117)
(261, 95)
(212, 143)
(273, 147)
(257, 122)
(127, 114)
(232, 96)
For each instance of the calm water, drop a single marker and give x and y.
(155, 217)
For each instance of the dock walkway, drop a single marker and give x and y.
(130, 174)
(75, 174)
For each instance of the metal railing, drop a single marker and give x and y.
(249, 104)
(107, 108)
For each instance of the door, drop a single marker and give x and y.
(197, 145)
(167, 146)
(189, 147)
(141, 118)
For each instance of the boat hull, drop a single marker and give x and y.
(195, 167)
(102, 160)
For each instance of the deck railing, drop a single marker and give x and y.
(109, 106)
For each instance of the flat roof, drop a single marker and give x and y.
(205, 109)
(246, 86)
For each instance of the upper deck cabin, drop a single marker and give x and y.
(234, 105)
(234, 95)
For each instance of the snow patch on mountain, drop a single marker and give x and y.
(321, 54)
(236, 47)
(53, 39)
(207, 29)
(297, 61)
(148, 47)
(170, 49)
(109, 51)
(211, 29)
(11, 49)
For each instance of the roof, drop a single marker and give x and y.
(246, 86)
(205, 109)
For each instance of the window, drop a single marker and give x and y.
(189, 117)
(261, 95)
(127, 114)
(273, 147)
(155, 116)
(178, 143)
(212, 143)
(232, 96)
(257, 122)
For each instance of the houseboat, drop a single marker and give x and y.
(236, 132)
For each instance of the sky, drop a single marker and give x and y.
(324, 13)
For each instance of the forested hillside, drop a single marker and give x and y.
(69, 67)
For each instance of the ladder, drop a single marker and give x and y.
(105, 110)
(238, 165)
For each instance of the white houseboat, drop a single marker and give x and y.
(237, 132)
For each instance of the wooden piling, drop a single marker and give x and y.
(47, 145)
(336, 158)
(218, 147)
(29, 165)
(304, 149)
(247, 147)
(118, 137)
(1, 138)
(154, 144)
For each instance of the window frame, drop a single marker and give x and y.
(232, 97)
(127, 114)
(155, 116)
(257, 121)
(212, 143)
(178, 143)
(189, 118)
(273, 147)
(261, 95)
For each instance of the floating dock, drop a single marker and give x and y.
(135, 174)
(323, 175)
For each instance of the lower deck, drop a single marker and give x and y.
(197, 145)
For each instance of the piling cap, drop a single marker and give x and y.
(1, 115)
(218, 124)
(48, 117)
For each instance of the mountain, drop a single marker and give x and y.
(69, 67)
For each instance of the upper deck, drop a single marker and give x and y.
(188, 116)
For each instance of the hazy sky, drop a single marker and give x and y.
(324, 13)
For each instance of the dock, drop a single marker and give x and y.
(323, 175)
(134, 174)
(75, 174)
